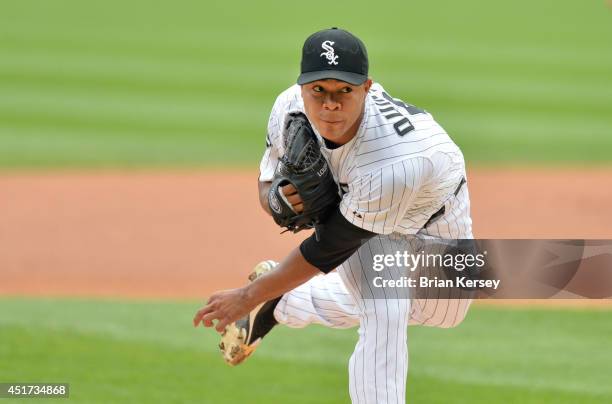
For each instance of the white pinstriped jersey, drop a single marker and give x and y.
(399, 170)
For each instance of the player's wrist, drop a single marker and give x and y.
(250, 295)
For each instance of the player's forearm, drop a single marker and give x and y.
(264, 189)
(289, 274)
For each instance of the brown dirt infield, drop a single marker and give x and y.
(185, 234)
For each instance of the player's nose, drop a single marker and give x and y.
(330, 103)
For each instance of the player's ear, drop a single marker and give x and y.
(367, 84)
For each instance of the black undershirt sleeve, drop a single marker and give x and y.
(338, 240)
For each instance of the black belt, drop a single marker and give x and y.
(442, 210)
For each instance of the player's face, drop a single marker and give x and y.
(335, 107)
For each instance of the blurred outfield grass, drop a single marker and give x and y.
(127, 352)
(191, 83)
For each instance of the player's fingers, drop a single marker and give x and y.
(208, 318)
(200, 314)
(197, 318)
(288, 189)
(294, 199)
(221, 325)
(298, 207)
(212, 298)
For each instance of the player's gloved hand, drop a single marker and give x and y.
(302, 169)
(293, 198)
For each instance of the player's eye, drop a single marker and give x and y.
(317, 89)
(346, 90)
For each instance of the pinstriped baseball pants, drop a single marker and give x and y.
(378, 366)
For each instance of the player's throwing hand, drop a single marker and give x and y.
(226, 307)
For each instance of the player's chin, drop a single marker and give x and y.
(332, 130)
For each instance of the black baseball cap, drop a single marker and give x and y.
(334, 54)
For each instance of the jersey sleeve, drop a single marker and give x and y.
(338, 240)
(378, 200)
(269, 161)
(287, 102)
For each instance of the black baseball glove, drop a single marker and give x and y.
(304, 166)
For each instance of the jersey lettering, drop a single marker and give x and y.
(388, 107)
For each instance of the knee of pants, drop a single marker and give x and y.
(434, 314)
(452, 324)
(395, 313)
(454, 321)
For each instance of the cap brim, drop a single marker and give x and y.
(351, 78)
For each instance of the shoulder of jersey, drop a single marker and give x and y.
(383, 114)
(289, 100)
(396, 131)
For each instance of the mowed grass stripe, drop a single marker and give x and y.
(160, 68)
(53, 139)
(123, 146)
(142, 321)
(44, 148)
(105, 370)
(496, 355)
(101, 370)
(94, 73)
(173, 110)
(495, 89)
(469, 16)
(586, 57)
(421, 391)
(546, 356)
(492, 82)
(151, 119)
(587, 62)
(201, 114)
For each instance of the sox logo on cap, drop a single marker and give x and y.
(329, 53)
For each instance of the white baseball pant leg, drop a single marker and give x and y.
(378, 366)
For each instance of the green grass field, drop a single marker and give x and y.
(191, 83)
(126, 351)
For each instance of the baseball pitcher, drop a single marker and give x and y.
(369, 174)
